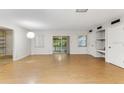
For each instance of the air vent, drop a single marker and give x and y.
(90, 30)
(81, 10)
(100, 27)
(115, 21)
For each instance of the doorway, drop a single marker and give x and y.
(61, 44)
(6, 45)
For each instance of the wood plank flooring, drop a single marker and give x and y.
(60, 69)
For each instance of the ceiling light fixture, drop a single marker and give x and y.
(30, 35)
(81, 10)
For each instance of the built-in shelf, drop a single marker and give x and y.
(101, 50)
(102, 30)
(2, 43)
(100, 38)
(100, 43)
(1, 38)
(2, 47)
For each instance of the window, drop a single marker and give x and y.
(82, 41)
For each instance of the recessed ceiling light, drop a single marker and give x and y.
(81, 10)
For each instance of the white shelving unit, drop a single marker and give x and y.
(2, 43)
(100, 43)
(100, 38)
(101, 51)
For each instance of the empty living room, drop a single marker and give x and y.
(61, 46)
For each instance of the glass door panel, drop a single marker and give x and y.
(60, 44)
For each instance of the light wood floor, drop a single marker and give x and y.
(62, 69)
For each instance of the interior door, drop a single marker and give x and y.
(115, 46)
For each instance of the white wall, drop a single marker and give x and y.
(48, 48)
(21, 44)
(91, 43)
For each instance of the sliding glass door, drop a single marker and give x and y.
(60, 44)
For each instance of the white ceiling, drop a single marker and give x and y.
(59, 19)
